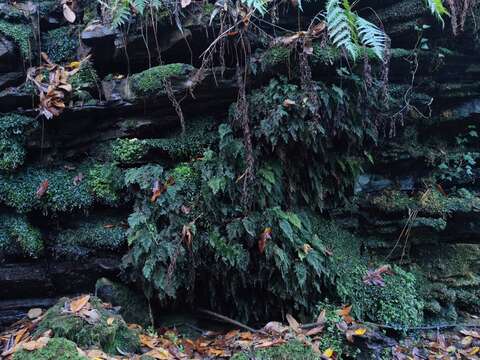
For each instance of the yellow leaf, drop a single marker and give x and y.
(474, 350)
(360, 332)
(328, 353)
(79, 303)
(110, 320)
(74, 64)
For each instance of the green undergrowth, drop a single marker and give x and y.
(56, 349)
(113, 338)
(223, 211)
(18, 237)
(198, 137)
(21, 34)
(95, 232)
(12, 140)
(293, 350)
(151, 81)
(67, 190)
(61, 44)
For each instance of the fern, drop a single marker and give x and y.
(140, 5)
(370, 35)
(340, 30)
(438, 9)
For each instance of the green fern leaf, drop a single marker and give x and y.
(140, 5)
(371, 36)
(340, 30)
(438, 9)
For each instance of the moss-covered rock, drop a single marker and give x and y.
(56, 349)
(293, 350)
(105, 182)
(151, 82)
(18, 237)
(134, 306)
(95, 232)
(112, 336)
(197, 138)
(61, 44)
(21, 34)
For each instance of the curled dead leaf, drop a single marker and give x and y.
(69, 14)
(79, 303)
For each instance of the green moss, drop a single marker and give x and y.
(21, 34)
(208, 9)
(133, 306)
(56, 349)
(111, 338)
(12, 154)
(13, 125)
(197, 138)
(106, 182)
(293, 350)
(19, 191)
(99, 233)
(85, 78)
(150, 82)
(18, 237)
(276, 55)
(129, 150)
(329, 55)
(396, 303)
(60, 44)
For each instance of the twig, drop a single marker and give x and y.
(230, 321)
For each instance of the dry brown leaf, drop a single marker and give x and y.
(34, 313)
(79, 303)
(275, 328)
(293, 323)
(315, 331)
(35, 344)
(160, 354)
(69, 14)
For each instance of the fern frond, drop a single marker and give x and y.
(371, 36)
(120, 16)
(340, 29)
(140, 5)
(438, 9)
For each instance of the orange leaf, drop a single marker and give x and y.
(79, 303)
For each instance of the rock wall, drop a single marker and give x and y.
(417, 203)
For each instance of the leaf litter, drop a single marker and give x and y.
(168, 344)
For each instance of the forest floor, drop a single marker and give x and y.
(38, 337)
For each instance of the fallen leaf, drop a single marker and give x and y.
(34, 313)
(69, 14)
(275, 328)
(345, 314)
(315, 331)
(288, 103)
(328, 353)
(293, 323)
(360, 332)
(42, 189)
(110, 321)
(35, 344)
(159, 353)
(79, 303)
(185, 3)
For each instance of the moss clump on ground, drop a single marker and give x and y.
(18, 237)
(293, 350)
(56, 349)
(129, 150)
(151, 82)
(134, 306)
(60, 44)
(112, 338)
(21, 34)
(396, 303)
(105, 182)
(85, 78)
(98, 233)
